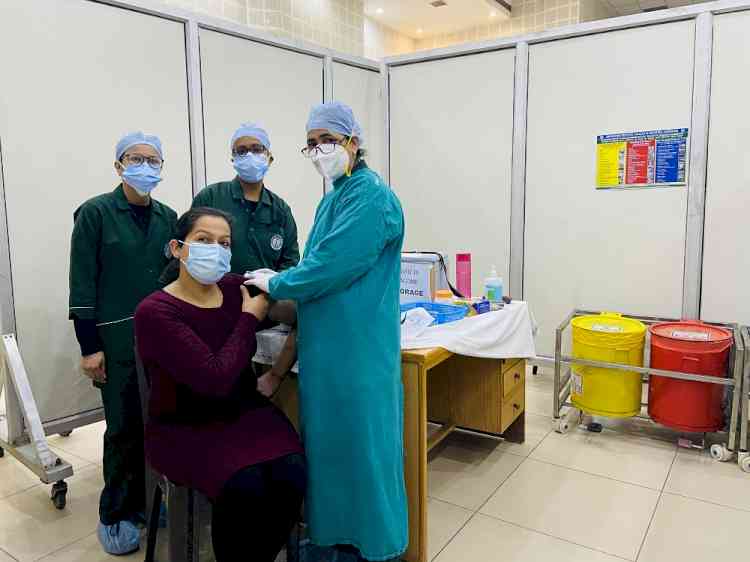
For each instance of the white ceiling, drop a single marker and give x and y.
(408, 16)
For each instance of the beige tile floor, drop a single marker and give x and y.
(579, 497)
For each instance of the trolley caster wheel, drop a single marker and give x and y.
(59, 494)
(745, 464)
(562, 426)
(535, 370)
(719, 452)
(66, 433)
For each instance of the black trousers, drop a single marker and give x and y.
(124, 490)
(257, 509)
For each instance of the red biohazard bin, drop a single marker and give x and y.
(688, 347)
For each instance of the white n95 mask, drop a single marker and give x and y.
(333, 165)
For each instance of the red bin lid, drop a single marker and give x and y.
(691, 331)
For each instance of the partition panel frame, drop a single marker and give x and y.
(702, 15)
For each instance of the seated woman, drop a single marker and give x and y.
(209, 428)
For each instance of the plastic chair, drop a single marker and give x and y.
(185, 506)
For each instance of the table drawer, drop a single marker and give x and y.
(513, 378)
(513, 407)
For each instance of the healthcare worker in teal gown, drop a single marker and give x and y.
(351, 396)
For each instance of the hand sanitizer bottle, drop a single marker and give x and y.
(493, 287)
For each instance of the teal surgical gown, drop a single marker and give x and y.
(351, 396)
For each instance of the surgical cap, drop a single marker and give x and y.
(131, 139)
(335, 117)
(251, 130)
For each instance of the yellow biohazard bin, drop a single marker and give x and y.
(611, 338)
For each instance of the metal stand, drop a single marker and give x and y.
(563, 421)
(22, 433)
(743, 455)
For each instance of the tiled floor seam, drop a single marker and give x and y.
(717, 504)
(62, 547)
(441, 500)
(597, 475)
(656, 507)
(537, 531)
(8, 554)
(489, 497)
(17, 492)
(461, 528)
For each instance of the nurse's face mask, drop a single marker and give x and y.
(329, 155)
(140, 171)
(251, 160)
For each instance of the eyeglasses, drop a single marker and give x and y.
(256, 149)
(327, 147)
(138, 159)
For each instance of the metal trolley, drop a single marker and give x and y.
(739, 370)
(743, 456)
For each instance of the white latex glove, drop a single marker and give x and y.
(260, 278)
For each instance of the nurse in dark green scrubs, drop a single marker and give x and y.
(117, 256)
(264, 234)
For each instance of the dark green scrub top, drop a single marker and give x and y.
(265, 237)
(114, 264)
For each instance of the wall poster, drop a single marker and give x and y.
(642, 159)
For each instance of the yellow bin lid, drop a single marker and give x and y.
(610, 323)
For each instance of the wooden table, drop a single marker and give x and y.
(484, 395)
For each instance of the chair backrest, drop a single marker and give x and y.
(144, 385)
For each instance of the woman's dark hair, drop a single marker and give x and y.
(185, 225)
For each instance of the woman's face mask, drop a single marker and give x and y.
(332, 165)
(207, 263)
(251, 167)
(141, 177)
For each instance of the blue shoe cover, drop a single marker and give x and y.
(120, 538)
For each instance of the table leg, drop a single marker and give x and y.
(415, 459)
(516, 432)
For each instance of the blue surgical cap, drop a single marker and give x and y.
(131, 139)
(251, 130)
(336, 117)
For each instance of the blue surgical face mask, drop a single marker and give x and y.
(251, 167)
(207, 263)
(142, 177)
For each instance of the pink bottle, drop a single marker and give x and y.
(463, 274)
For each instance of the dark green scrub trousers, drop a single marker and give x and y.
(114, 265)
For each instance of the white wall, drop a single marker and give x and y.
(362, 90)
(726, 257)
(620, 250)
(248, 81)
(67, 95)
(451, 148)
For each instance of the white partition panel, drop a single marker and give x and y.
(248, 81)
(451, 149)
(726, 258)
(619, 250)
(362, 90)
(75, 76)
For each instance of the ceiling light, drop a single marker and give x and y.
(419, 30)
(379, 11)
(493, 14)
